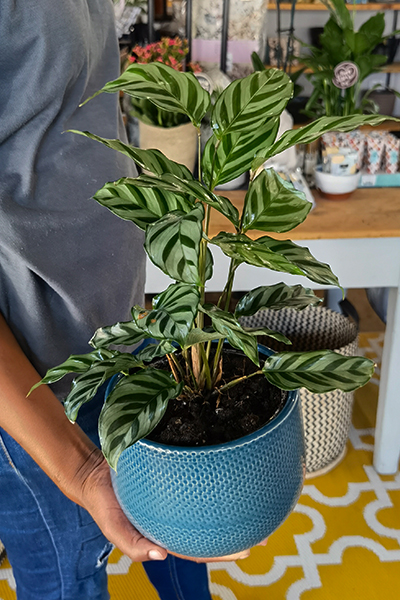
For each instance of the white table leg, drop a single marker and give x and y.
(387, 433)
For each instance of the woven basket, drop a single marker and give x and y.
(327, 417)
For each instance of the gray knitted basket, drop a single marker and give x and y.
(327, 417)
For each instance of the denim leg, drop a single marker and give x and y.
(55, 548)
(178, 579)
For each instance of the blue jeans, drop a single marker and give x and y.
(56, 549)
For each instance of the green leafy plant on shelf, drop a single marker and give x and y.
(171, 52)
(173, 208)
(340, 42)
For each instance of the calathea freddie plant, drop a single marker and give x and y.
(174, 208)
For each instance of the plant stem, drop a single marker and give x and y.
(189, 368)
(199, 153)
(213, 164)
(177, 365)
(206, 367)
(234, 382)
(327, 99)
(226, 294)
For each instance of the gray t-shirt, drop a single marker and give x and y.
(67, 265)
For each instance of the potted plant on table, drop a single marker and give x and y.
(171, 132)
(206, 493)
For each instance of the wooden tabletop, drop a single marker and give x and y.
(368, 213)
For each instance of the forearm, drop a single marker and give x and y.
(38, 423)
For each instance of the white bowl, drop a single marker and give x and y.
(335, 186)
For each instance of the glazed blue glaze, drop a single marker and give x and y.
(215, 500)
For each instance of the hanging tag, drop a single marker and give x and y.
(205, 82)
(346, 74)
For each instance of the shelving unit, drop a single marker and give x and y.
(393, 68)
(319, 6)
(385, 126)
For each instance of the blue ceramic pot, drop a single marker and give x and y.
(215, 500)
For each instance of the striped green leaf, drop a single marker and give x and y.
(199, 336)
(85, 386)
(226, 324)
(76, 363)
(246, 103)
(320, 371)
(173, 244)
(225, 159)
(133, 409)
(209, 264)
(275, 335)
(152, 351)
(193, 188)
(313, 131)
(275, 297)
(168, 89)
(243, 249)
(303, 259)
(141, 205)
(173, 313)
(272, 204)
(278, 255)
(152, 160)
(126, 333)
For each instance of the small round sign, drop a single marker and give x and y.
(205, 82)
(346, 74)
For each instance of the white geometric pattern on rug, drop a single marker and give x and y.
(6, 574)
(309, 561)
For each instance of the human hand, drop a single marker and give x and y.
(99, 499)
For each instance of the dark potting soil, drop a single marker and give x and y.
(205, 420)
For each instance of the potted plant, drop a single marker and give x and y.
(209, 500)
(342, 47)
(171, 132)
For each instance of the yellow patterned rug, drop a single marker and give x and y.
(341, 542)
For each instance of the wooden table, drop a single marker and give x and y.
(360, 239)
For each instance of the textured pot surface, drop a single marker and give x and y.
(177, 143)
(215, 500)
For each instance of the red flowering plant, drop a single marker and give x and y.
(171, 52)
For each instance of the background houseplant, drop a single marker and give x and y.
(170, 132)
(340, 42)
(174, 210)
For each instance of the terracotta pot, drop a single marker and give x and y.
(177, 143)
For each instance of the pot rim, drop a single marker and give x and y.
(283, 414)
